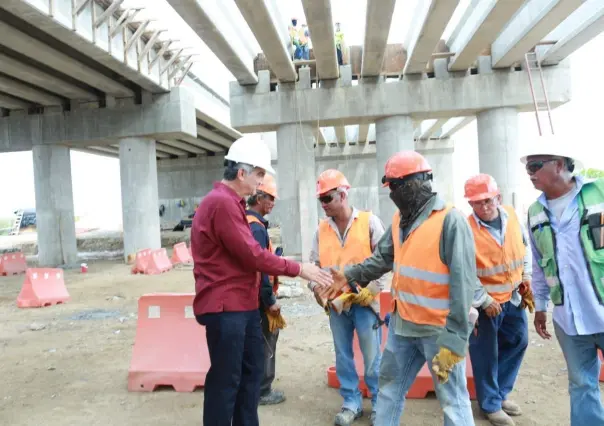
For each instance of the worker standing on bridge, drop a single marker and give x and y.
(259, 205)
(430, 249)
(503, 264)
(566, 226)
(348, 236)
(339, 38)
(294, 38)
(227, 261)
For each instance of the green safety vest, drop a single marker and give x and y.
(591, 201)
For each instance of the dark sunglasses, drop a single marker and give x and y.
(326, 199)
(536, 165)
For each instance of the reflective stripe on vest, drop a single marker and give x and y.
(273, 279)
(420, 285)
(499, 267)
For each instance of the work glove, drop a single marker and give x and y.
(443, 363)
(528, 300)
(275, 321)
(340, 284)
(344, 301)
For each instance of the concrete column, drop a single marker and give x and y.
(140, 205)
(499, 150)
(439, 154)
(55, 220)
(296, 182)
(392, 134)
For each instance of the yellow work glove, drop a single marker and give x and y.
(443, 363)
(528, 300)
(275, 321)
(364, 297)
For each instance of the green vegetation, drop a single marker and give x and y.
(592, 173)
(5, 224)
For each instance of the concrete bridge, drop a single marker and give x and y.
(90, 75)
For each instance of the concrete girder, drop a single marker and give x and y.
(377, 26)
(221, 127)
(108, 149)
(10, 102)
(184, 146)
(320, 24)
(363, 133)
(340, 134)
(479, 30)
(337, 106)
(161, 147)
(205, 133)
(159, 155)
(41, 52)
(433, 128)
(578, 29)
(208, 146)
(92, 150)
(319, 136)
(432, 19)
(22, 90)
(454, 128)
(260, 17)
(533, 22)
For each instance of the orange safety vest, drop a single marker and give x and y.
(356, 248)
(499, 268)
(420, 285)
(275, 280)
(302, 36)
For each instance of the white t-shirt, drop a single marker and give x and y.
(558, 205)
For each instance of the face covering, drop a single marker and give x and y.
(411, 198)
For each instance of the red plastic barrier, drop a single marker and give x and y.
(423, 383)
(141, 261)
(159, 262)
(181, 254)
(12, 263)
(169, 347)
(602, 366)
(42, 287)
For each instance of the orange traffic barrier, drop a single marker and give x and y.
(141, 261)
(42, 287)
(181, 254)
(423, 383)
(601, 365)
(12, 263)
(159, 262)
(169, 346)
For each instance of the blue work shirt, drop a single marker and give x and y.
(581, 313)
(260, 233)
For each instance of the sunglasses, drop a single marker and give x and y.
(536, 165)
(487, 203)
(326, 199)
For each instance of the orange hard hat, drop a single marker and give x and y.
(331, 179)
(403, 164)
(269, 186)
(480, 187)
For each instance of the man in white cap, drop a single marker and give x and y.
(566, 226)
(228, 262)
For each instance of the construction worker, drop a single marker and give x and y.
(345, 237)
(259, 205)
(566, 226)
(294, 38)
(227, 260)
(430, 250)
(504, 269)
(304, 37)
(339, 38)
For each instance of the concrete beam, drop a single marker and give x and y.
(10, 102)
(223, 128)
(480, 28)
(430, 19)
(336, 152)
(340, 134)
(184, 146)
(21, 90)
(160, 147)
(363, 133)
(364, 104)
(208, 146)
(94, 151)
(169, 116)
(320, 24)
(533, 22)
(377, 26)
(208, 134)
(319, 136)
(259, 15)
(208, 29)
(436, 126)
(583, 25)
(448, 132)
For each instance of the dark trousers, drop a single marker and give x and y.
(270, 355)
(340, 58)
(232, 387)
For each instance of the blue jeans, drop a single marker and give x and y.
(402, 360)
(496, 352)
(362, 319)
(232, 387)
(581, 354)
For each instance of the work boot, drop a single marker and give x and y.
(500, 418)
(272, 398)
(372, 418)
(346, 417)
(511, 408)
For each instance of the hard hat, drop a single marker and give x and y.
(252, 150)
(404, 163)
(551, 145)
(269, 186)
(480, 187)
(331, 179)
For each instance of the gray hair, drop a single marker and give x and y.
(231, 169)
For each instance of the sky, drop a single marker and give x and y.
(96, 182)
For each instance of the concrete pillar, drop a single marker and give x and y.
(296, 183)
(55, 220)
(140, 205)
(392, 134)
(499, 150)
(439, 154)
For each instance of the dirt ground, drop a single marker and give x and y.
(73, 371)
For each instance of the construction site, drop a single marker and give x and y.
(96, 324)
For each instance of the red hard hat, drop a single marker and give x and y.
(405, 163)
(481, 187)
(331, 179)
(269, 186)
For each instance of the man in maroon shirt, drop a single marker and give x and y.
(228, 262)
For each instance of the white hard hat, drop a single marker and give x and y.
(552, 145)
(252, 150)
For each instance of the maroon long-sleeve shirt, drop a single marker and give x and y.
(226, 256)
